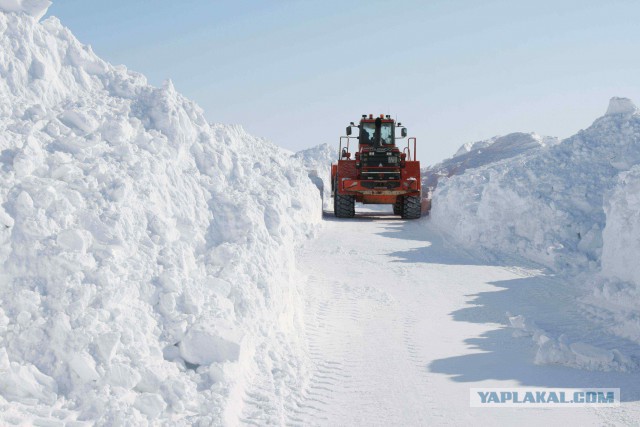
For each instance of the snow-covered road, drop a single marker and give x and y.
(400, 325)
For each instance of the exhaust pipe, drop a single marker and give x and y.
(377, 134)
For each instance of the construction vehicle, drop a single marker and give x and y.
(378, 173)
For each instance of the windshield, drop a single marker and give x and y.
(367, 133)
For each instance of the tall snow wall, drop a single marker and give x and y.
(317, 160)
(147, 256)
(621, 235)
(548, 204)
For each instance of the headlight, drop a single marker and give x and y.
(393, 159)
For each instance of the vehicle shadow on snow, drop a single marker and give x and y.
(436, 249)
(410, 229)
(430, 254)
(499, 355)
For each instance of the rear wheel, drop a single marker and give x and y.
(411, 207)
(343, 206)
(398, 206)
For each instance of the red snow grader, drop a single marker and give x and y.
(378, 173)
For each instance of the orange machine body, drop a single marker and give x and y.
(377, 173)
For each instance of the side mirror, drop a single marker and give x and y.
(403, 132)
(348, 130)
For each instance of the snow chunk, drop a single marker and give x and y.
(107, 345)
(75, 240)
(78, 120)
(620, 106)
(18, 382)
(122, 375)
(557, 351)
(588, 355)
(203, 347)
(35, 8)
(37, 70)
(150, 404)
(5, 219)
(84, 365)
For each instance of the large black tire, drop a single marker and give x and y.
(343, 206)
(411, 207)
(398, 206)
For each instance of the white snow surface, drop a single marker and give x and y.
(470, 146)
(475, 154)
(148, 272)
(317, 160)
(621, 235)
(547, 204)
(619, 105)
(35, 8)
(617, 288)
(147, 256)
(400, 324)
(572, 207)
(319, 157)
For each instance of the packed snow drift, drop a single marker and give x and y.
(545, 204)
(617, 287)
(148, 256)
(317, 160)
(475, 154)
(35, 8)
(572, 207)
(621, 234)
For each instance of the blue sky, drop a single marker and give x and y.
(297, 71)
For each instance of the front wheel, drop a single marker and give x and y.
(343, 206)
(398, 205)
(411, 207)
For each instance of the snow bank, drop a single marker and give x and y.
(319, 157)
(147, 255)
(620, 106)
(481, 153)
(35, 8)
(558, 351)
(621, 235)
(617, 287)
(317, 160)
(545, 204)
(472, 146)
(573, 207)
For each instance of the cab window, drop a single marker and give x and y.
(368, 130)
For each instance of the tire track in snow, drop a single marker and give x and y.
(328, 351)
(399, 326)
(344, 320)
